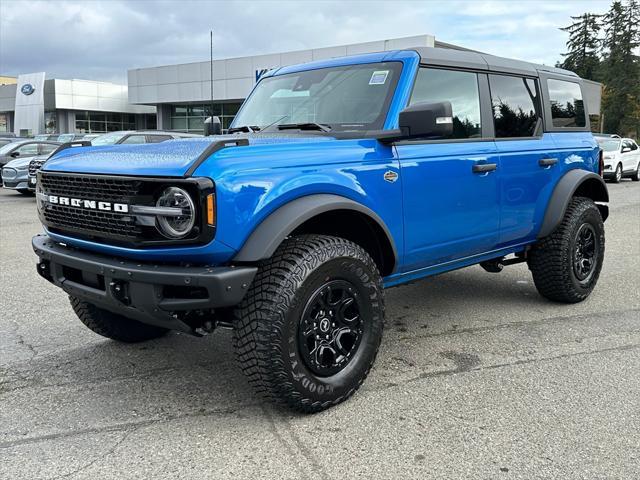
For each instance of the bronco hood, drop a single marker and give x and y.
(173, 158)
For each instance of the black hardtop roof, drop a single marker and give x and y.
(447, 57)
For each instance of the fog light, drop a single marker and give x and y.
(180, 224)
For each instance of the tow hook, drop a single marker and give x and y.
(120, 291)
(44, 269)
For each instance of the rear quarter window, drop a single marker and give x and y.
(567, 106)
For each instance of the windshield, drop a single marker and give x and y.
(609, 145)
(351, 97)
(67, 137)
(108, 138)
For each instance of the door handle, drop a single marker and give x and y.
(484, 167)
(547, 162)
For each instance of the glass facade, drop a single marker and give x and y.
(102, 122)
(190, 118)
(50, 122)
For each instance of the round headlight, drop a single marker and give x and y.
(180, 224)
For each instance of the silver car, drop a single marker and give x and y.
(14, 161)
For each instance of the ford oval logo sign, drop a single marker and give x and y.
(27, 89)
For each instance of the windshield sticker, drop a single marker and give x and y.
(379, 77)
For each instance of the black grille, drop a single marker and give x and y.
(88, 222)
(34, 166)
(108, 189)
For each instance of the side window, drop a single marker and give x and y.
(131, 139)
(158, 138)
(567, 107)
(460, 88)
(516, 105)
(46, 148)
(634, 145)
(28, 150)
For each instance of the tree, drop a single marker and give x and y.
(621, 68)
(582, 56)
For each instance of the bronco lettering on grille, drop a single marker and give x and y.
(89, 204)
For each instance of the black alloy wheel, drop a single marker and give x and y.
(585, 253)
(330, 328)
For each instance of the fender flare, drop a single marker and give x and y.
(266, 237)
(590, 185)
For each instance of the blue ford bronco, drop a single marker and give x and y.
(338, 179)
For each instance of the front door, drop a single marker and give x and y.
(450, 186)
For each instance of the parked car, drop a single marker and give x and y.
(344, 177)
(7, 135)
(138, 136)
(621, 158)
(24, 149)
(15, 173)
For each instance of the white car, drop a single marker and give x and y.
(621, 158)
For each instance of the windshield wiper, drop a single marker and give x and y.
(305, 126)
(244, 128)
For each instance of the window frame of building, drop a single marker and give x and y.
(537, 101)
(50, 121)
(189, 118)
(92, 121)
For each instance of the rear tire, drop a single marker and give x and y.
(636, 176)
(112, 325)
(566, 264)
(308, 330)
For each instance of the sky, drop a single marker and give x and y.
(101, 40)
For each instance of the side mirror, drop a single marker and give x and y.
(212, 126)
(15, 154)
(424, 120)
(626, 149)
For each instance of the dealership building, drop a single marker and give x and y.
(170, 97)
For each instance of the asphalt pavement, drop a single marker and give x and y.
(478, 377)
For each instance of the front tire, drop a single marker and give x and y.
(617, 176)
(112, 325)
(566, 264)
(636, 176)
(308, 331)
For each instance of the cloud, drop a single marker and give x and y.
(102, 39)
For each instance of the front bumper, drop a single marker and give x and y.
(14, 178)
(151, 293)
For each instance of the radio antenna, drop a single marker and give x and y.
(211, 59)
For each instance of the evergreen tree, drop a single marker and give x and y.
(621, 68)
(582, 56)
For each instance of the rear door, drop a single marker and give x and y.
(528, 157)
(451, 208)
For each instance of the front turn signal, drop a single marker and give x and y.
(211, 210)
